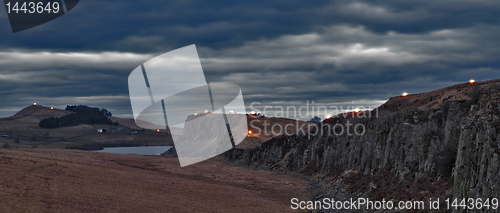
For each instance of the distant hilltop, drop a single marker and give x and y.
(435, 99)
(23, 129)
(33, 114)
(81, 115)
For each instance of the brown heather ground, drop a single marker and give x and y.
(59, 180)
(55, 180)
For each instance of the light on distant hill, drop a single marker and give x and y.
(471, 81)
(405, 94)
(34, 104)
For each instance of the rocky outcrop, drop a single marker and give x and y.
(448, 134)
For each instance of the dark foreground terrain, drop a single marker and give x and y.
(58, 180)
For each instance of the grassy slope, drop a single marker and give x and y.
(24, 126)
(54, 180)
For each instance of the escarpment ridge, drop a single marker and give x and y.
(443, 143)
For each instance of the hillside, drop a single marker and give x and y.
(435, 99)
(64, 180)
(32, 115)
(24, 127)
(54, 180)
(443, 143)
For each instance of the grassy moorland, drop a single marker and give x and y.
(59, 180)
(39, 174)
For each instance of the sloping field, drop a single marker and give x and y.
(53, 180)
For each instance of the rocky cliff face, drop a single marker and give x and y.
(448, 134)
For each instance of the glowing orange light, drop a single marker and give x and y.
(357, 110)
(34, 104)
(328, 117)
(472, 81)
(249, 131)
(405, 94)
(51, 108)
(158, 130)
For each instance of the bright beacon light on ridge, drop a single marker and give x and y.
(405, 94)
(472, 81)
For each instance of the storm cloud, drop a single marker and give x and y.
(281, 53)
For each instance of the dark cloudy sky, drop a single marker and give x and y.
(280, 53)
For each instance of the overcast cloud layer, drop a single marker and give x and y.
(281, 53)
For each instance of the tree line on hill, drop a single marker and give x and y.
(82, 115)
(89, 110)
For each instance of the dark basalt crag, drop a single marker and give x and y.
(435, 144)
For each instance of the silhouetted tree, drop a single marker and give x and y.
(89, 110)
(316, 119)
(81, 116)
